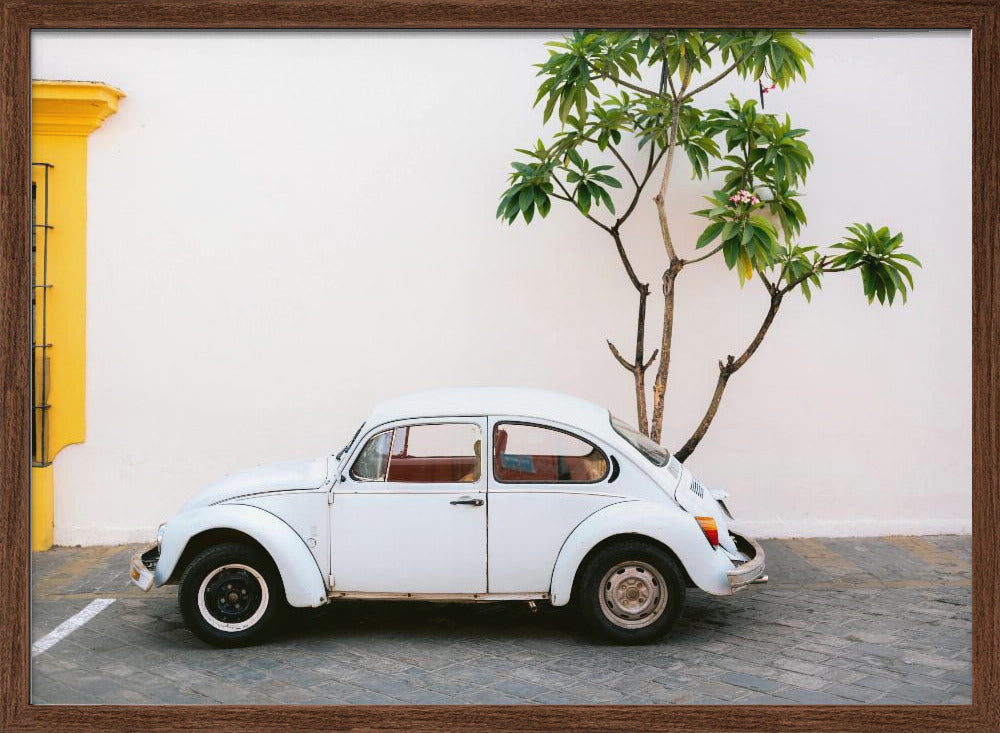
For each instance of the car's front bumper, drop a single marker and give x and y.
(751, 571)
(142, 565)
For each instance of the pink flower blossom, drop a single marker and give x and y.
(744, 197)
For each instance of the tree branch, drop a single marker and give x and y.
(640, 286)
(717, 79)
(638, 369)
(703, 257)
(767, 283)
(818, 267)
(639, 373)
(569, 198)
(651, 166)
(661, 195)
(772, 311)
(726, 370)
(619, 80)
(621, 359)
(652, 358)
(665, 72)
(711, 48)
(614, 151)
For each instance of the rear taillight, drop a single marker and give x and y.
(710, 528)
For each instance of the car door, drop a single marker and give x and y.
(544, 479)
(409, 513)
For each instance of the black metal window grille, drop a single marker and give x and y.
(39, 311)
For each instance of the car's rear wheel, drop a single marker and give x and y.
(230, 594)
(630, 592)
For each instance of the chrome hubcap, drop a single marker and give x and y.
(633, 594)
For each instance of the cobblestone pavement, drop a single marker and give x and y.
(843, 621)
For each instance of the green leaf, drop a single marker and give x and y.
(525, 198)
(730, 252)
(728, 230)
(711, 232)
(908, 258)
(605, 199)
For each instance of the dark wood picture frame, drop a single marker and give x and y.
(19, 17)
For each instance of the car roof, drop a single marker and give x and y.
(501, 401)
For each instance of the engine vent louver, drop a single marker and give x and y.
(698, 489)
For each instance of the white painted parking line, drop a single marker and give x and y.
(70, 625)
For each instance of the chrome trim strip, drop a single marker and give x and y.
(451, 597)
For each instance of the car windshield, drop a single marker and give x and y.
(656, 454)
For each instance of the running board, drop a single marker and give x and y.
(447, 597)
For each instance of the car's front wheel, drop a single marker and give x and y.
(630, 592)
(230, 594)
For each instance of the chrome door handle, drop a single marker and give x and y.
(468, 501)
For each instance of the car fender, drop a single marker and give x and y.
(299, 572)
(670, 525)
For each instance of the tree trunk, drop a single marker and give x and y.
(669, 277)
(637, 368)
(639, 371)
(666, 340)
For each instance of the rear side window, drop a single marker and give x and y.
(525, 453)
(654, 452)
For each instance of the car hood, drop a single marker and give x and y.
(283, 476)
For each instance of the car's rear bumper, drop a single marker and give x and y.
(142, 565)
(751, 571)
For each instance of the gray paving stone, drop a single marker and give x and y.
(759, 698)
(494, 697)
(805, 681)
(877, 683)
(853, 692)
(758, 684)
(812, 697)
(920, 693)
(520, 688)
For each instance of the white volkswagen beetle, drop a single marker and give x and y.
(476, 494)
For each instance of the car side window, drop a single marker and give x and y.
(436, 453)
(373, 460)
(526, 453)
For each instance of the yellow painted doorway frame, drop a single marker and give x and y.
(63, 114)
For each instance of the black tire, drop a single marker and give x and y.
(230, 595)
(630, 592)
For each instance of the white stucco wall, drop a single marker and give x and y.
(287, 227)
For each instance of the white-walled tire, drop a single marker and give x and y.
(630, 592)
(230, 594)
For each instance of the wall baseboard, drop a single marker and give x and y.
(787, 529)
